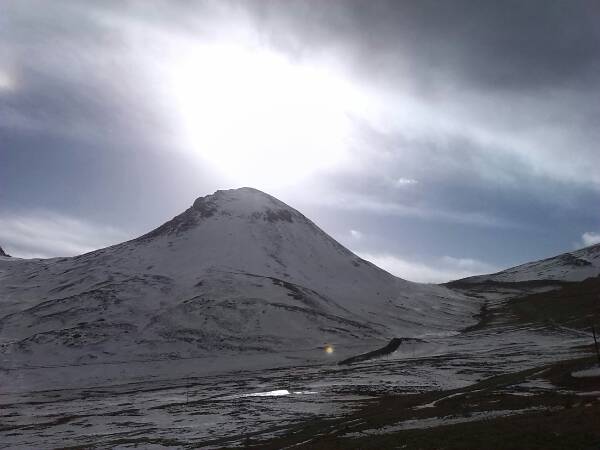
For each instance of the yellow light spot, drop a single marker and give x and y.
(329, 349)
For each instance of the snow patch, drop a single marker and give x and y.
(433, 422)
(594, 372)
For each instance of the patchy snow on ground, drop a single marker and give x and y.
(594, 372)
(432, 422)
(171, 401)
(589, 394)
(537, 384)
(435, 402)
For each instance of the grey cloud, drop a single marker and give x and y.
(74, 74)
(590, 238)
(44, 234)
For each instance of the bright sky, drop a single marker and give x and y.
(436, 139)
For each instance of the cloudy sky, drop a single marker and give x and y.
(437, 139)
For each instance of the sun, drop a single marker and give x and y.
(258, 117)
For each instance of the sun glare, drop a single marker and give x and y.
(258, 117)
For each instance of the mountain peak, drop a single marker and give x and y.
(246, 203)
(239, 194)
(244, 190)
(3, 253)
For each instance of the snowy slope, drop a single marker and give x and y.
(572, 266)
(239, 271)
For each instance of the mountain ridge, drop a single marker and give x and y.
(237, 272)
(573, 266)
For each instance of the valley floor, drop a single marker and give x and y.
(490, 387)
(539, 408)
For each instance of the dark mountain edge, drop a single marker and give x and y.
(3, 253)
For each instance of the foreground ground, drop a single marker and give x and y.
(510, 382)
(541, 408)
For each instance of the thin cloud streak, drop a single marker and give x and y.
(44, 234)
(382, 207)
(443, 270)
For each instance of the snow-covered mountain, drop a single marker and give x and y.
(572, 266)
(239, 271)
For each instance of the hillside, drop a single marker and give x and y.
(571, 266)
(238, 272)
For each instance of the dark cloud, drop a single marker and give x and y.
(71, 82)
(498, 45)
